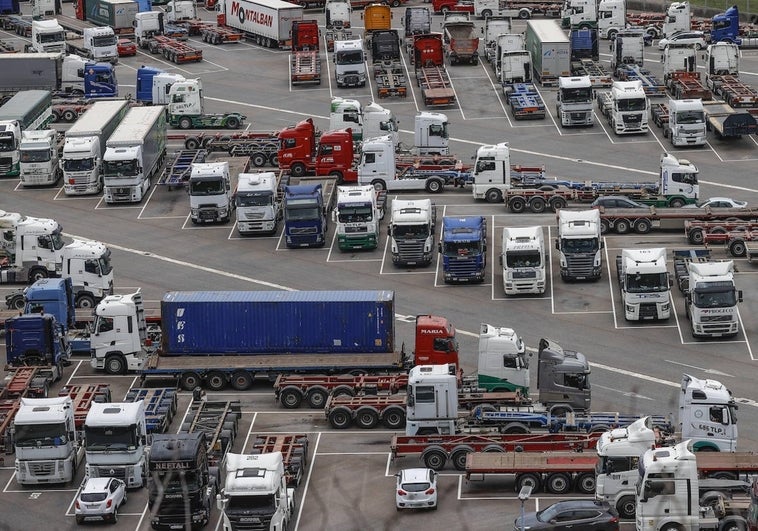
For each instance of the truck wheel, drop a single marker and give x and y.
(486, 13)
(434, 186)
(192, 143)
(378, 184)
(258, 159)
(241, 381)
(557, 203)
(215, 381)
(677, 202)
(459, 458)
(524, 14)
(696, 236)
(585, 483)
(435, 459)
(185, 123)
(732, 523)
(395, 3)
(367, 418)
(737, 248)
(85, 300)
(622, 226)
(316, 397)
(37, 273)
(537, 205)
(16, 302)
(528, 480)
(338, 176)
(232, 122)
(343, 390)
(69, 116)
(189, 381)
(612, 35)
(559, 483)
(493, 196)
(394, 418)
(516, 205)
(339, 418)
(291, 397)
(115, 364)
(297, 169)
(643, 226)
(626, 507)
(273, 160)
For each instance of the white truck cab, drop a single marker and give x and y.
(258, 204)
(210, 191)
(350, 63)
(48, 36)
(38, 158)
(645, 284)
(523, 260)
(686, 125)
(575, 99)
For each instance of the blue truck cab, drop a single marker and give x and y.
(35, 339)
(305, 213)
(463, 245)
(726, 27)
(54, 296)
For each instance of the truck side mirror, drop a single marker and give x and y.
(439, 247)
(411, 400)
(739, 296)
(602, 244)
(500, 257)
(389, 231)
(557, 244)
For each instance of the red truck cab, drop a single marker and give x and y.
(305, 35)
(335, 156)
(436, 343)
(297, 148)
(428, 50)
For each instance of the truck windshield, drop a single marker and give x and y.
(120, 168)
(174, 481)
(51, 37)
(78, 164)
(104, 40)
(303, 212)
(409, 232)
(35, 155)
(389, 125)
(105, 263)
(206, 187)
(647, 283)
(352, 57)
(631, 105)
(40, 434)
(715, 297)
(690, 117)
(523, 258)
(576, 95)
(461, 248)
(582, 245)
(355, 213)
(264, 503)
(101, 438)
(256, 199)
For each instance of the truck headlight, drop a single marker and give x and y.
(629, 309)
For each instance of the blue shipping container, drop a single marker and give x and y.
(266, 322)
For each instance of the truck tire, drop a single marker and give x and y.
(558, 483)
(56, 117)
(394, 418)
(696, 236)
(366, 418)
(528, 480)
(626, 507)
(622, 226)
(37, 273)
(524, 14)
(458, 457)
(69, 116)
(585, 483)
(115, 364)
(612, 35)
(273, 160)
(493, 196)
(291, 397)
(192, 142)
(378, 184)
(16, 301)
(434, 186)
(677, 202)
(604, 226)
(316, 397)
(189, 381)
(185, 123)
(434, 458)
(733, 523)
(339, 418)
(85, 300)
(233, 122)
(258, 159)
(215, 380)
(516, 205)
(486, 13)
(643, 226)
(343, 390)
(241, 381)
(557, 203)
(537, 205)
(297, 169)
(737, 248)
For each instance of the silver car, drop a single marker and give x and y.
(100, 499)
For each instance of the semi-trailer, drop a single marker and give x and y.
(431, 74)
(27, 110)
(134, 154)
(268, 23)
(84, 147)
(551, 50)
(643, 220)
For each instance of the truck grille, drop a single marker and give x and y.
(351, 79)
(253, 215)
(716, 318)
(122, 194)
(40, 468)
(208, 213)
(36, 180)
(354, 230)
(580, 266)
(250, 523)
(5, 164)
(299, 231)
(411, 252)
(118, 472)
(464, 268)
(524, 274)
(632, 119)
(648, 310)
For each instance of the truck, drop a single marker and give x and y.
(181, 483)
(57, 73)
(523, 260)
(625, 107)
(411, 231)
(148, 24)
(300, 145)
(349, 63)
(30, 248)
(680, 73)
(461, 42)
(256, 487)
(36, 340)
(376, 16)
(367, 345)
(671, 493)
(365, 121)
(85, 144)
(27, 110)
(117, 14)
(623, 220)
(305, 61)
(258, 203)
(500, 8)
(47, 443)
(306, 207)
(133, 154)
(39, 153)
(493, 173)
(728, 122)
(463, 246)
(644, 284)
(579, 244)
(98, 44)
(357, 214)
(417, 20)
(186, 108)
(628, 48)
(115, 442)
(686, 123)
(574, 104)
(722, 72)
(211, 188)
(585, 57)
(550, 50)
(493, 28)
(267, 23)
(431, 74)
(710, 294)
(47, 37)
(513, 63)
(387, 64)
(338, 14)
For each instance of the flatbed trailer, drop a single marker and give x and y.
(696, 230)
(390, 80)
(599, 76)
(305, 67)
(243, 368)
(32, 382)
(160, 406)
(728, 122)
(219, 420)
(660, 114)
(436, 450)
(735, 240)
(21, 26)
(294, 449)
(260, 146)
(558, 472)
(642, 221)
(214, 34)
(525, 101)
(291, 389)
(652, 86)
(177, 171)
(525, 420)
(173, 50)
(687, 85)
(83, 396)
(733, 91)
(69, 111)
(78, 26)
(436, 89)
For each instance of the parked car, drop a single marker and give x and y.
(416, 488)
(718, 202)
(126, 48)
(693, 38)
(616, 201)
(100, 499)
(571, 514)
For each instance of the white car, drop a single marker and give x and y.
(416, 489)
(693, 38)
(100, 499)
(719, 202)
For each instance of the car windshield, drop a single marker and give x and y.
(548, 514)
(415, 487)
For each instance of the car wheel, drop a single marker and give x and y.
(114, 517)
